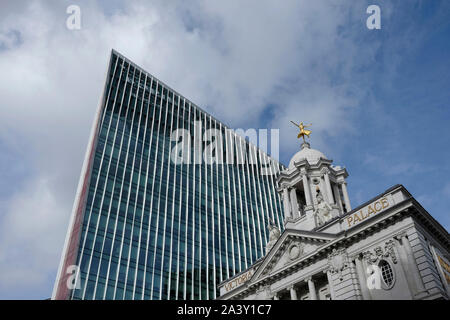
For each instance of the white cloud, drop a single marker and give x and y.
(232, 58)
(30, 241)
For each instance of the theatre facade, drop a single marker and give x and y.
(387, 248)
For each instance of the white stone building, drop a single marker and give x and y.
(388, 248)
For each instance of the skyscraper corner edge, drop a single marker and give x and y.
(68, 256)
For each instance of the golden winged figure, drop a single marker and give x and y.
(303, 132)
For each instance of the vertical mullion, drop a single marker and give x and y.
(119, 265)
(225, 164)
(155, 240)
(194, 111)
(219, 212)
(115, 180)
(133, 171)
(145, 183)
(235, 214)
(261, 186)
(187, 205)
(166, 203)
(159, 193)
(247, 201)
(239, 172)
(253, 199)
(179, 118)
(166, 193)
(233, 254)
(255, 193)
(152, 189)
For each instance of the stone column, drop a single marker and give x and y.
(286, 204)
(275, 296)
(338, 197)
(294, 204)
(331, 286)
(328, 188)
(293, 293)
(307, 190)
(312, 289)
(412, 264)
(405, 264)
(324, 191)
(346, 198)
(362, 279)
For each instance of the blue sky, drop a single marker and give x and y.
(378, 99)
(403, 138)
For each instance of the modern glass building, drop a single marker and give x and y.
(145, 226)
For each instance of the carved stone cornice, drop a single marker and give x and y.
(400, 235)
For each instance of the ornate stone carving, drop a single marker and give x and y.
(323, 210)
(389, 247)
(378, 253)
(338, 261)
(295, 250)
(274, 234)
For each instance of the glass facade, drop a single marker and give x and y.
(145, 227)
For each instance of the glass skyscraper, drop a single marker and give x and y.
(145, 226)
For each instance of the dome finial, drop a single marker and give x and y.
(303, 132)
(305, 145)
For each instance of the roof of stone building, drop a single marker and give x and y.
(308, 154)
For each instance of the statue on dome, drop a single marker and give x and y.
(303, 132)
(323, 210)
(274, 234)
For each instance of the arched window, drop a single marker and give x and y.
(387, 274)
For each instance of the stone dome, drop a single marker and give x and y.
(311, 155)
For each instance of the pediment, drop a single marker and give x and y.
(291, 247)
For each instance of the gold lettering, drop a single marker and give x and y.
(372, 208)
(385, 203)
(362, 215)
(378, 209)
(238, 281)
(444, 264)
(349, 219)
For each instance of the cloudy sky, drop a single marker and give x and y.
(378, 99)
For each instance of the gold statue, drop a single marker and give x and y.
(303, 132)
